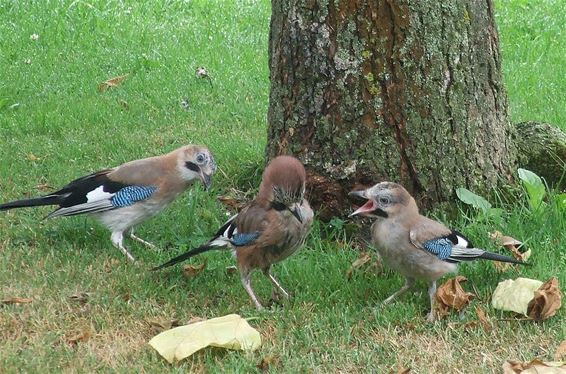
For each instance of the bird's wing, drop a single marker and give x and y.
(454, 247)
(437, 239)
(98, 193)
(259, 226)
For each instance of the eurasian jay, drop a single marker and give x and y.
(269, 229)
(127, 195)
(414, 245)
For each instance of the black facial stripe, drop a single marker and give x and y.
(192, 166)
(381, 213)
(278, 206)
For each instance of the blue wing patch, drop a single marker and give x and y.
(131, 194)
(441, 247)
(241, 239)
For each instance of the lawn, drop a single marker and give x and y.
(55, 126)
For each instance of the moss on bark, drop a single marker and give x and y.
(372, 90)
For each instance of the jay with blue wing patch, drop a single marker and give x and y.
(269, 229)
(127, 195)
(414, 245)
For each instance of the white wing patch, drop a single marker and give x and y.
(462, 242)
(98, 194)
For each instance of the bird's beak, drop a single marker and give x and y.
(206, 180)
(368, 207)
(297, 213)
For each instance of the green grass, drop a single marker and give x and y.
(533, 40)
(62, 128)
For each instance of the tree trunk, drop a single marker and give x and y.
(372, 90)
(542, 149)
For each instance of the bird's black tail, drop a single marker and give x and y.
(38, 201)
(497, 257)
(186, 255)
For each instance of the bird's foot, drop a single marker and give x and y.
(140, 240)
(127, 254)
(431, 316)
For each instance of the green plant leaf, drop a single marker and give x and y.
(470, 198)
(560, 200)
(534, 186)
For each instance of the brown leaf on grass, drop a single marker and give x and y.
(268, 362)
(32, 157)
(79, 337)
(535, 366)
(560, 351)
(159, 325)
(112, 82)
(364, 258)
(232, 202)
(484, 321)
(17, 300)
(546, 302)
(451, 295)
(191, 270)
(512, 245)
(43, 187)
(81, 297)
(231, 269)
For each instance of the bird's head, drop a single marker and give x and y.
(385, 200)
(196, 161)
(283, 185)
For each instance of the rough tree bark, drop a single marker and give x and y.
(371, 90)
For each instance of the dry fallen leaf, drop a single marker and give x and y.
(484, 321)
(43, 187)
(512, 245)
(560, 351)
(81, 336)
(515, 295)
(17, 300)
(535, 366)
(231, 269)
(230, 331)
(113, 82)
(159, 325)
(81, 297)
(232, 202)
(191, 271)
(32, 157)
(364, 258)
(547, 300)
(451, 295)
(268, 362)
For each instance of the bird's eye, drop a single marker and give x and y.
(200, 158)
(384, 200)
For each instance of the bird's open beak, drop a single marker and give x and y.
(367, 208)
(297, 213)
(206, 180)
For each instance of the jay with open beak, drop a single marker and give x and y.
(269, 229)
(127, 195)
(414, 245)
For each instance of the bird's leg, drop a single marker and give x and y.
(431, 316)
(276, 283)
(138, 239)
(408, 284)
(247, 282)
(117, 239)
